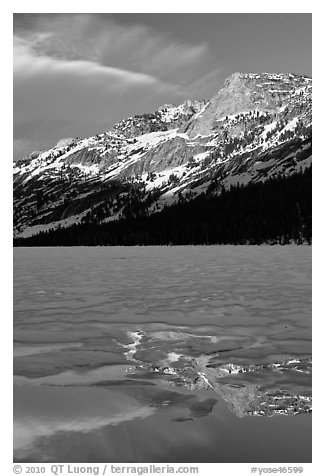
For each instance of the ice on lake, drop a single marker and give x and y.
(118, 348)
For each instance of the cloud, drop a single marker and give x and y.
(99, 45)
(28, 63)
(79, 74)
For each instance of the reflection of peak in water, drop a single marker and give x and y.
(241, 386)
(201, 357)
(243, 398)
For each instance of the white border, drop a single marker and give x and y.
(167, 6)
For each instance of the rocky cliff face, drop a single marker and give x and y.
(257, 126)
(242, 93)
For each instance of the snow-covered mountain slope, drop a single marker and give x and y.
(256, 127)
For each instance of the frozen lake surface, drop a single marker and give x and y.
(162, 354)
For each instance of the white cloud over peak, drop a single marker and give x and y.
(95, 45)
(28, 63)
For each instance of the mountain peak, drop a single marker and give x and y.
(244, 92)
(257, 125)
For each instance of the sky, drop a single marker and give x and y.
(76, 75)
